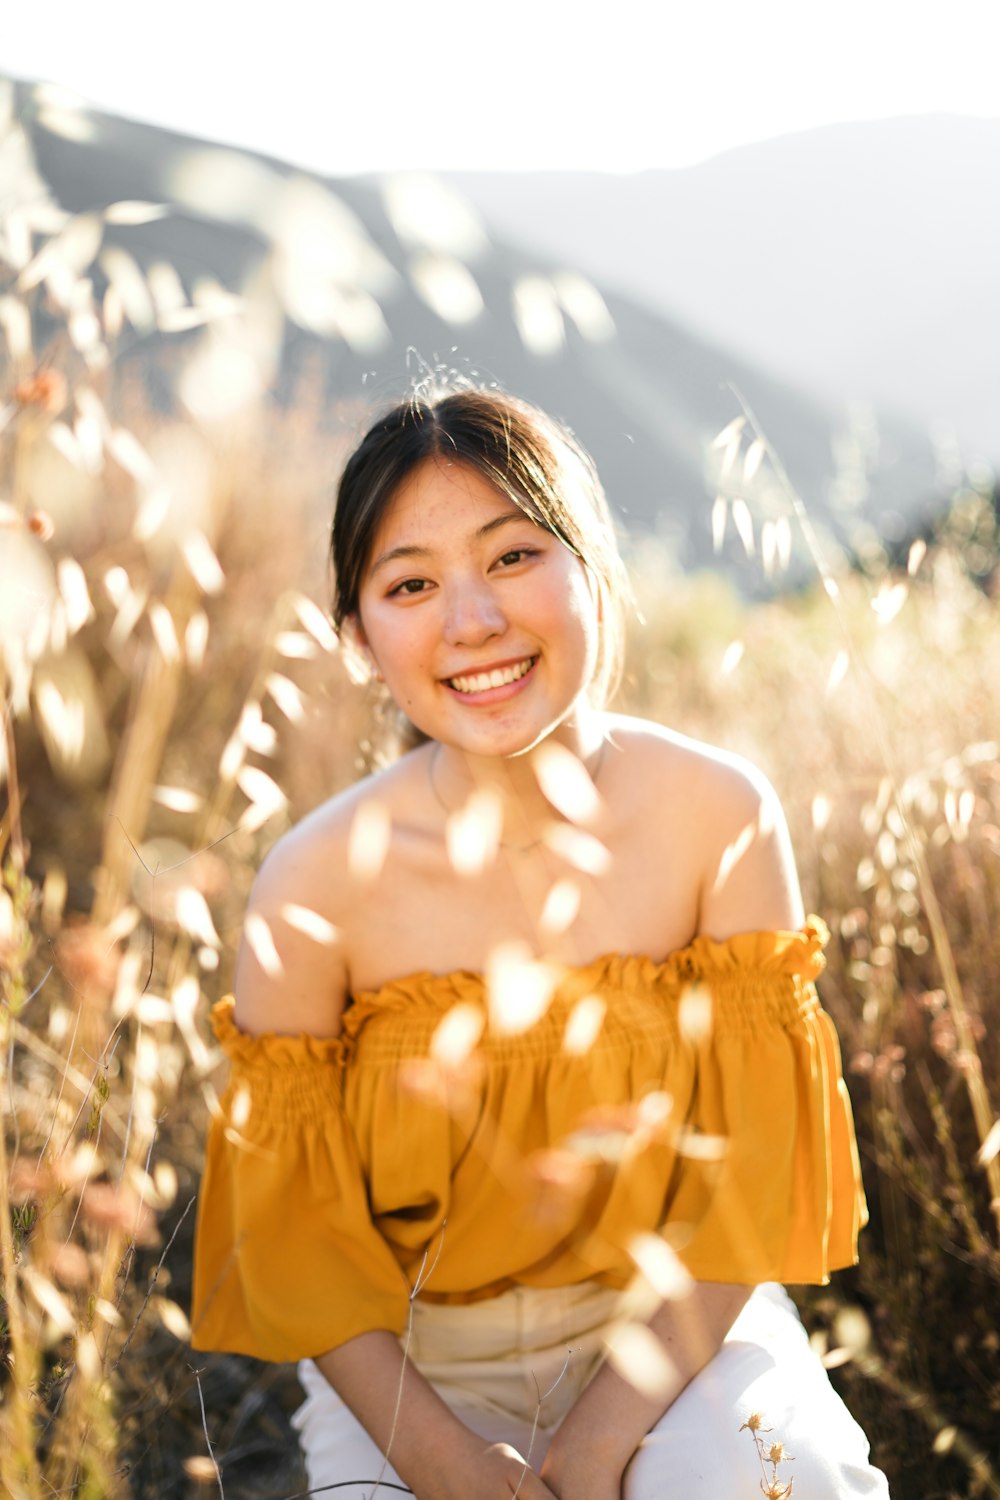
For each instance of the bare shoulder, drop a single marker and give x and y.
(311, 858)
(723, 814)
(686, 767)
(292, 970)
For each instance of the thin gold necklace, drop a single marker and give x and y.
(511, 848)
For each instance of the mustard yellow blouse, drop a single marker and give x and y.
(709, 1107)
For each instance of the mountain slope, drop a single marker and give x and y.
(382, 280)
(858, 259)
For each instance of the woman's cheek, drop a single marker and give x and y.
(409, 672)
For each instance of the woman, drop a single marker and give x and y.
(525, 1012)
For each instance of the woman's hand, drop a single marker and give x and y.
(501, 1471)
(471, 1470)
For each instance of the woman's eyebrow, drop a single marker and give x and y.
(412, 550)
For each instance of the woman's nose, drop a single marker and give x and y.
(473, 614)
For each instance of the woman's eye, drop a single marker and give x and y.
(408, 586)
(515, 555)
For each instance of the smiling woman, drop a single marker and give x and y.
(483, 625)
(522, 456)
(507, 1125)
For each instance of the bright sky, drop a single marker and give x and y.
(617, 85)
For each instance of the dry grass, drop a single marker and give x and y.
(172, 701)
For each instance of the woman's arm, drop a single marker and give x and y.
(292, 977)
(749, 884)
(427, 1445)
(610, 1418)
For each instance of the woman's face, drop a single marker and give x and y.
(482, 624)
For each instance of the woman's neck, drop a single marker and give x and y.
(521, 786)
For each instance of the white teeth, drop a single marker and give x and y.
(499, 677)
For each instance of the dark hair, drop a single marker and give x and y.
(533, 460)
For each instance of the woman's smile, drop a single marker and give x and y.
(484, 684)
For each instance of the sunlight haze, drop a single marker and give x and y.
(531, 85)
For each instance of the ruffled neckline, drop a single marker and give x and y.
(768, 954)
(765, 956)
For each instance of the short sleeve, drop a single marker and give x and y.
(288, 1263)
(768, 1181)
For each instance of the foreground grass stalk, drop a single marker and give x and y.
(979, 1098)
(17, 1426)
(13, 818)
(150, 716)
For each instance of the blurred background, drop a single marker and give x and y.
(749, 255)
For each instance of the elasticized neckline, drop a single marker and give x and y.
(728, 964)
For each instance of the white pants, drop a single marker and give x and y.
(489, 1360)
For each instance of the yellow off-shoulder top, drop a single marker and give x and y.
(709, 1108)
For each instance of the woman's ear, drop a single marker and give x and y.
(358, 656)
